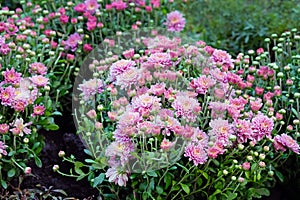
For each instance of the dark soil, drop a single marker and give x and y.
(65, 139)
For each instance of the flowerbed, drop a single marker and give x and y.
(161, 116)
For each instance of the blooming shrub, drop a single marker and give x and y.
(185, 121)
(26, 105)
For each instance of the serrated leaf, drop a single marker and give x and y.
(185, 188)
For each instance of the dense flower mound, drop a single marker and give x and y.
(172, 103)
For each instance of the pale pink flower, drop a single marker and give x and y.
(92, 114)
(91, 5)
(3, 148)
(146, 103)
(166, 144)
(39, 80)
(20, 128)
(196, 154)
(186, 107)
(157, 89)
(261, 126)
(163, 59)
(37, 68)
(175, 21)
(202, 84)
(128, 118)
(218, 109)
(222, 58)
(215, 150)
(120, 67)
(119, 177)
(128, 78)
(256, 105)
(221, 129)
(90, 88)
(282, 141)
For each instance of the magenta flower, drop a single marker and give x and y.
(175, 21)
(119, 5)
(282, 141)
(196, 154)
(261, 126)
(243, 130)
(38, 110)
(72, 41)
(81, 8)
(11, 76)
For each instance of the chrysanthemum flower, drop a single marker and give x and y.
(175, 21)
(186, 107)
(120, 67)
(119, 177)
(261, 126)
(282, 141)
(20, 128)
(196, 154)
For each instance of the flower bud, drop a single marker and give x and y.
(233, 178)
(27, 170)
(55, 168)
(266, 148)
(61, 154)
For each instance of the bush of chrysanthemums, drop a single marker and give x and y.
(178, 121)
(41, 45)
(24, 94)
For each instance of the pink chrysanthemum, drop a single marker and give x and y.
(243, 130)
(37, 68)
(120, 67)
(186, 107)
(38, 110)
(81, 8)
(166, 144)
(157, 89)
(91, 5)
(119, 177)
(282, 141)
(222, 58)
(163, 59)
(7, 95)
(72, 41)
(221, 129)
(146, 103)
(4, 128)
(261, 126)
(128, 78)
(218, 109)
(3, 148)
(90, 88)
(128, 118)
(175, 21)
(215, 150)
(202, 84)
(11, 76)
(39, 80)
(20, 128)
(196, 154)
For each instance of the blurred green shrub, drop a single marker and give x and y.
(240, 25)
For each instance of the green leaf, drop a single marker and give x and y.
(263, 191)
(167, 180)
(183, 167)
(152, 174)
(52, 127)
(159, 189)
(205, 175)
(38, 161)
(3, 183)
(185, 188)
(279, 175)
(11, 172)
(99, 179)
(145, 195)
(232, 196)
(78, 165)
